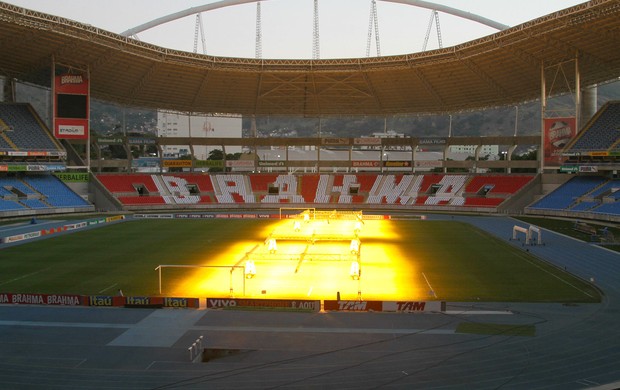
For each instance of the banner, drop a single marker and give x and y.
(208, 163)
(398, 164)
(364, 164)
(335, 141)
(353, 305)
(141, 141)
(178, 163)
(109, 140)
(387, 306)
(428, 164)
(265, 304)
(74, 177)
(41, 299)
(240, 163)
(569, 168)
(432, 141)
(271, 163)
(71, 106)
(557, 133)
(367, 141)
(414, 306)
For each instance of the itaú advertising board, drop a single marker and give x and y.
(386, 306)
(96, 300)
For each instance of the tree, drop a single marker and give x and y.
(216, 154)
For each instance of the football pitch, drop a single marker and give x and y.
(397, 260)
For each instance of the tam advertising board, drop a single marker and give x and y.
(71, 106)
(557, 134)
(345, 305)
(414, 306)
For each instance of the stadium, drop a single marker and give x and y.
(309, 262)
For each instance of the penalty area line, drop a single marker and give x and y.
(431, 290)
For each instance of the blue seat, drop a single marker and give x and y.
(55, 192)
(603, 133)
(24, 129)
(568, 193)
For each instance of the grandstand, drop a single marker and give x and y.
(31, 189)
(330, 177)
(601, 134)
(23, 133)
(30, 154)
(482, 193)
(31, 194)
(22, 130)
(591, 197)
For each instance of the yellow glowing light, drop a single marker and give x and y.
(312, 261)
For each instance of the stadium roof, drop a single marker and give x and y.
(500, 69)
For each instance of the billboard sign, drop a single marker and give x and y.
(557, 134)
(71, 106)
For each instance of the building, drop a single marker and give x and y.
(175, 124)
(487, 150)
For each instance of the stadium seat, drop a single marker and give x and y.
(602, 133)
(309, 186)
(54, 191)
(321, 194)
(260, 182)
(568, 193)
(26, 131)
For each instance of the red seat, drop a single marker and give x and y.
(137, 200)
(260, 182)
(309, 185)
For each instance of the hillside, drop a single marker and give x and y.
(107, 118)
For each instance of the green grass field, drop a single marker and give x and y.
(566, 227)
(461, 262)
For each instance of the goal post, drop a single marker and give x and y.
(518, 229)
(537, 231)
(232, 268)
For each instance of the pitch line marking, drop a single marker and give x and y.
(24, 276)
(107, 288)
(555, 276)
(429, 285)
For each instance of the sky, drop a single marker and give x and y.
(287, 24)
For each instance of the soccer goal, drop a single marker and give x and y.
(300, 212)
(535, 231)
(345, 215)
(230, 268)
(531, 232)
(518, 229)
